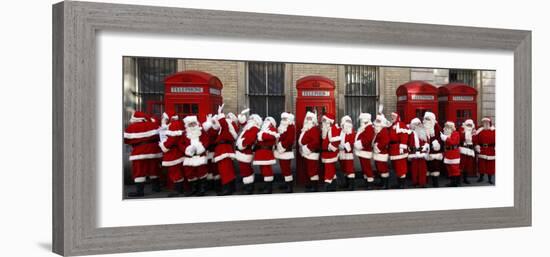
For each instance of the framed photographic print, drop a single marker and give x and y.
(183, 128)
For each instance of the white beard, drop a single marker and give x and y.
(283, 126)
(420, 132)
(447, 131)
(430, 128)
(325, 129)
(307, 126)
(347, 128)
(193, 133)
(378, 127)
(468, 135)
(266, 125)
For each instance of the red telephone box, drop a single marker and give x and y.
(414, 98)
(457, 103)
(192, 93)
(315, 94)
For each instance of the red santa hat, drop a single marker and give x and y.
(138, 117)
(397, 115)
(170, 115)
(468, 122)
(311, 115)
(365, 117)
(288, 116)
(345, 119)
(329, 116)
(430, 115)
(487, 119)
(414, 122)
(256, 119)
(271, 120)
(450, 124)
(190, 119)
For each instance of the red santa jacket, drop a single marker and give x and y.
(266, 140)
(418, 148)
(363, 141)
(172, 153)
(226, 139)
(452, 153)
(346, 144)
(310, 143)
(143, 137)
(194, 149)
(330, 145)
(245, 143)
(436, 145)
(486, 143)
(399, 135)
(381, 142)
(286, 141)
(467, 146)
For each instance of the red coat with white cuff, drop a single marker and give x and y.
(194, 150)
(286, 141)
(143, 137)
(380, 145)
(310, 143)
(330, 145)
(399, 135)
(436, 145)
(172, 153)
(226, 138)
(486, 143)
(363, 142)
(245, 143)
(347, 143)
(266, 140)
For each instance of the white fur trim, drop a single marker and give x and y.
(314, 178)
(330, 160)
(417, 155)
(434, 174)
(334, 139)
(284, 155)
(486, 157)
(239, 143)
(398, 157)
(311, 156)
(363, 154)
(268, 179)
(145, 156)
(232, 129)
(467, 151)
(217, 177)
(241, 118)
(269, 132)
(195, 161)
(163, 148)
(403, 146)
(248, 179)
(380, 157)
(223, 156)
(139, 179)
(242, 157)
(210, 155)
(289, 178)
(141, 134)
(436, 146)
(174, 133)
(264, 162)
(451, 161)
(403, 176)
(332, 148)
(358, 145)
(385, 174)
(352, 175)
(192, 179)
(209, 176)
(345, 156)
(189, 150)
(434, 156)
(369, 179)
(173, 162)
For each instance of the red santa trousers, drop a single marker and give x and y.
(347, 168)
(193, 173)
(285, 169)
(418, 171)
(175, 173)
(434, 167)
(145, 167)
(330, 172)
(382, 168)
(213, 170)
(400, 167)
(467, 165)
(267, 172)
(486, 166)
(367, 169)
(453, 170)
(245, 169)
(312, 168)
(226, 170)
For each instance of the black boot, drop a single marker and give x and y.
(139, 191)
(289, 187)
(351, 184)
(345, 185)
(386, 183)
(178, 189)
(402, 183)
(155, 185)
(268, 188)
(480, 179)
(227, 189)
(490, 179)
(201, 187)
(465, 179)
(435, 181)
(368, 185)
(248, 189)
(192, 189)
(313, 186)
(451, 182)
(217, 185)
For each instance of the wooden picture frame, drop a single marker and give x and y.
(74, 51)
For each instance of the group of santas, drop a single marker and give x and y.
(202, 154)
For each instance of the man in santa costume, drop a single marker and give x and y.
(244, 152)
(330, 135)
(485, 149)
(347, 140)
(172, 155)
(418, 143)
(451, 141)
(142, 135)
(380, 148)
(155, 163)
(363, 147)
(398, 148)
(213, 176)
(193, 144)
(435, 157)
(309, 144)
(263, 155)
(284, 152)
(224, 152)
(467, 154)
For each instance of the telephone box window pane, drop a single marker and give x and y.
(194, 108)
(419, 113)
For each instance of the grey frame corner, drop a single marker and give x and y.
(75, 25)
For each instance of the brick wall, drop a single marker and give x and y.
(488, 88)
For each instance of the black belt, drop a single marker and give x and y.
(451, 147)
(416, 149)
(142, 143)
(487, 145)
(225, 143)
(257, 147)
(469, 146)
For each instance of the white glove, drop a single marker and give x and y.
(245, 111)
(478, 148)
(220, 108)
(190, 150)
(425, 147)
(435, 145)
(240, 144)
(444, 137)
(332, 148)
(241, 118)
(341, 147)
(305, 150)
(376, 149)
(401, 151)
(280, 148)
(358, 145)
(347, 146)
(199, 149)
(418, 154)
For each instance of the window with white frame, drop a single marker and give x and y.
(265, 90)
(361, 92)
(462, 76)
